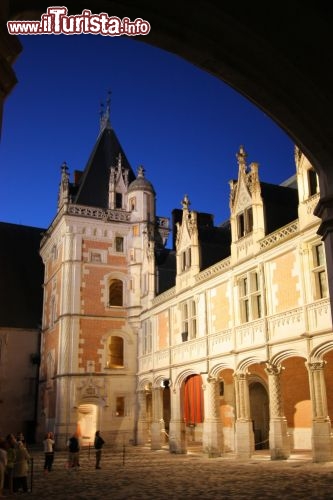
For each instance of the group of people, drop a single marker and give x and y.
(15, 459)
(14, 464)
(73, 446)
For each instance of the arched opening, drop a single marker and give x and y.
(115, 355)
(166, 405)
(297, 402)
(260, 415)
(115, 293)
(87, 423)
(193, 408)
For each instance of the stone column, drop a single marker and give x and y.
(322, 438)
(244, 424)
(212, 426)
(177, 431)
(157, 426)
(279, 442)
(142, 418)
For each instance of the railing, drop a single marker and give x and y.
(281, 234)
(168, 294)
(310, 319)
(98, 213)
(213, 270)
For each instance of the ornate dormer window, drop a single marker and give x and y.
(246, 207)
(187, 240)
(118, 183)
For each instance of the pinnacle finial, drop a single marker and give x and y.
(186, 202)
(141, 171)
(105, 114)
(241, 158)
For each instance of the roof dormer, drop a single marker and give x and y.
(187, 246)
(308, 189)
(246, 208)
(118, 184)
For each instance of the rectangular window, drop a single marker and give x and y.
(189, 319)
(132, 204)
(119, 200)
(250, 297)
(119, 244)
(185, 260)
(319, 272)
(95, 257)
(146, 338)
(120, 406)
(245, 222)
(135, 230)
(313, 182)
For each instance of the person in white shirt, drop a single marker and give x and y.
(48, 444)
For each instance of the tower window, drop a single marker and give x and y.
(116, 293)
(120, 406)
(132, 204)
(115, 356)
(119, 200)
(119, 244)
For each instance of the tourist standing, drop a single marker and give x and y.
(98, 445)
(48, 445)
(74, 451)
(21, 466)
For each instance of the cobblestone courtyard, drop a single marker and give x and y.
(138, 473)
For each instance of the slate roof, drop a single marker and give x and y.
(280, 205)
(214, 241)
(92, 188)
(21, 276)
(166, 269)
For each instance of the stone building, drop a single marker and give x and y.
(21, 297)
(223, 341)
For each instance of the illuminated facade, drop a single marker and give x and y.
(223, 341)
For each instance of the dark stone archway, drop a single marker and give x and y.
(279, 56)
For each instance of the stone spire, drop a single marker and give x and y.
(241, 159)
(63, 195)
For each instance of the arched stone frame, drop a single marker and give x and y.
(226, 402)
(260, 422)
(125, 335)
(322, 435)
(289, 410)
(115, 275)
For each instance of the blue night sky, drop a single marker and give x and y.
(183, 125)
